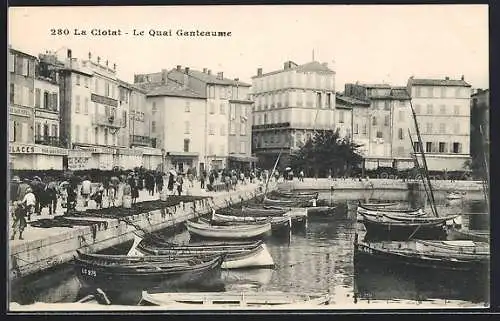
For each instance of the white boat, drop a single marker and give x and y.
(214, 300)
(228, 232)
(454, 196)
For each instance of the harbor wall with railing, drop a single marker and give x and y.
(380, 184)
(34, 256)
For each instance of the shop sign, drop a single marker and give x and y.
(20, 111)
(78, 163)
(43, 114)
(36, 149)
(103, 100)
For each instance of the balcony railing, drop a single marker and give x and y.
(108, 120)
(140, 140)
(48, 140)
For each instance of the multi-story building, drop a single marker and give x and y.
(442, 107)
(289, 105)
(353, 119)
(480, 127)
(47, 111)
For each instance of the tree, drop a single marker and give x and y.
(326, 152)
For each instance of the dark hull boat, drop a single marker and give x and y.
(440, 255)
(400, 227)
(253, 211)
(120, 272)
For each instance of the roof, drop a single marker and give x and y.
(437, 82)
(131, 86)
(382, 86)
(22, 53)
(313, 66)
(212, 79)
(173, 90)
(351, 100)
(400, 93)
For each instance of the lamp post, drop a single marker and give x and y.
(163, 160)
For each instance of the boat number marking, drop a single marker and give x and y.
(365, 249)
(89, 272)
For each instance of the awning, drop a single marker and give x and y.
(182, 154)
(241, 158)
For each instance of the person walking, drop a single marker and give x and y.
(86, 191)
(171, 182)
(19, 220)
(29, 201)
(114, 183)
(134, 188)
(159, 182)
(203, 177)
(180, 182)
(301, 176)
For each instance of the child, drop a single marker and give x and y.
(29, 202)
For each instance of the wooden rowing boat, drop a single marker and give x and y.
(288, 203)
(237, 254)
(425, 255)
(296, 195)
(116, 272)
(472, 235)
(253, 211)
(214, 300)
(228, 232)
(362, 209)
(278, 223)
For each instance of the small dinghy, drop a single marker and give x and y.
(246, 300)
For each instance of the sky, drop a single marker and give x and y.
(369, 44)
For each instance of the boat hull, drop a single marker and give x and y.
(456, 234)
(395, 232)
(228, 232)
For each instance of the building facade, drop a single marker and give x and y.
(442, 107)
(289, 105)
(480, 127)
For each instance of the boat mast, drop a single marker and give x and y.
(415, 159)
(424, 161)
(272, 173)
(486, 180)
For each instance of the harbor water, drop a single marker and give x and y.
(315, 258)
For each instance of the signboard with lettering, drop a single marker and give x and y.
(103, 100)
(78, 163)
(20, 111)
(36, 149)
(48, 115)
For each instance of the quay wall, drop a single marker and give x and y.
(37, 255)
(379, 184)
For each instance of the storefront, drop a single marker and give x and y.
(241, 162)
(79, 160)
(128, 158)
(181, 161)
(151, 157)
(36, 157)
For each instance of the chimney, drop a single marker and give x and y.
(220, 75)
(236, 79)
(463, 77)
(114, 66)
(98, 59)
(69, 54)
(178, 67)
(204, 70)
(164, 76)
(209, 71)
(259, 71)
(185, 82)
(90, 55)
(186, 70)
(286, 65)
(446, 78)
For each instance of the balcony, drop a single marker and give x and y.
(136, 140)
(108, 121)
(48, 141)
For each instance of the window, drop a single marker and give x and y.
(457, 92)
(242, 147)
(430, 92)
(86, 82)
(356, 129)
(24, 133)
(232, 112)
(416, 147)
(223, 130)
(24, 66)
(12, 130)
(106, 89)
(211, 130)
(222, 109)
(86, 106)
(124, 116)
(456, 110)
(380, 134)
(106, 136)
(96, 85)
(153, 126)
(12, 62)
(341, 116)
(429, 109)
(442, 147)
(428, 147)
(374, 121)
(46, 100)
(77, 103)
(232, 129)
(12, 93)
(212, 108)
(265, 118)
(442, 128)
(318, 100)
(387, 120)
(456, 129)
(243, 128)
(400, 133)
(55, 132)
(387, 105)
(186, 145)
(77, 133)
(364, 130)
(429, 128)
(186, 127)
(37, 97)
(418, 92)
(456, 148)
(38, 129)
(154, 109)
(78, 80)
(187, 108)
(442, 109)
(55, 104)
